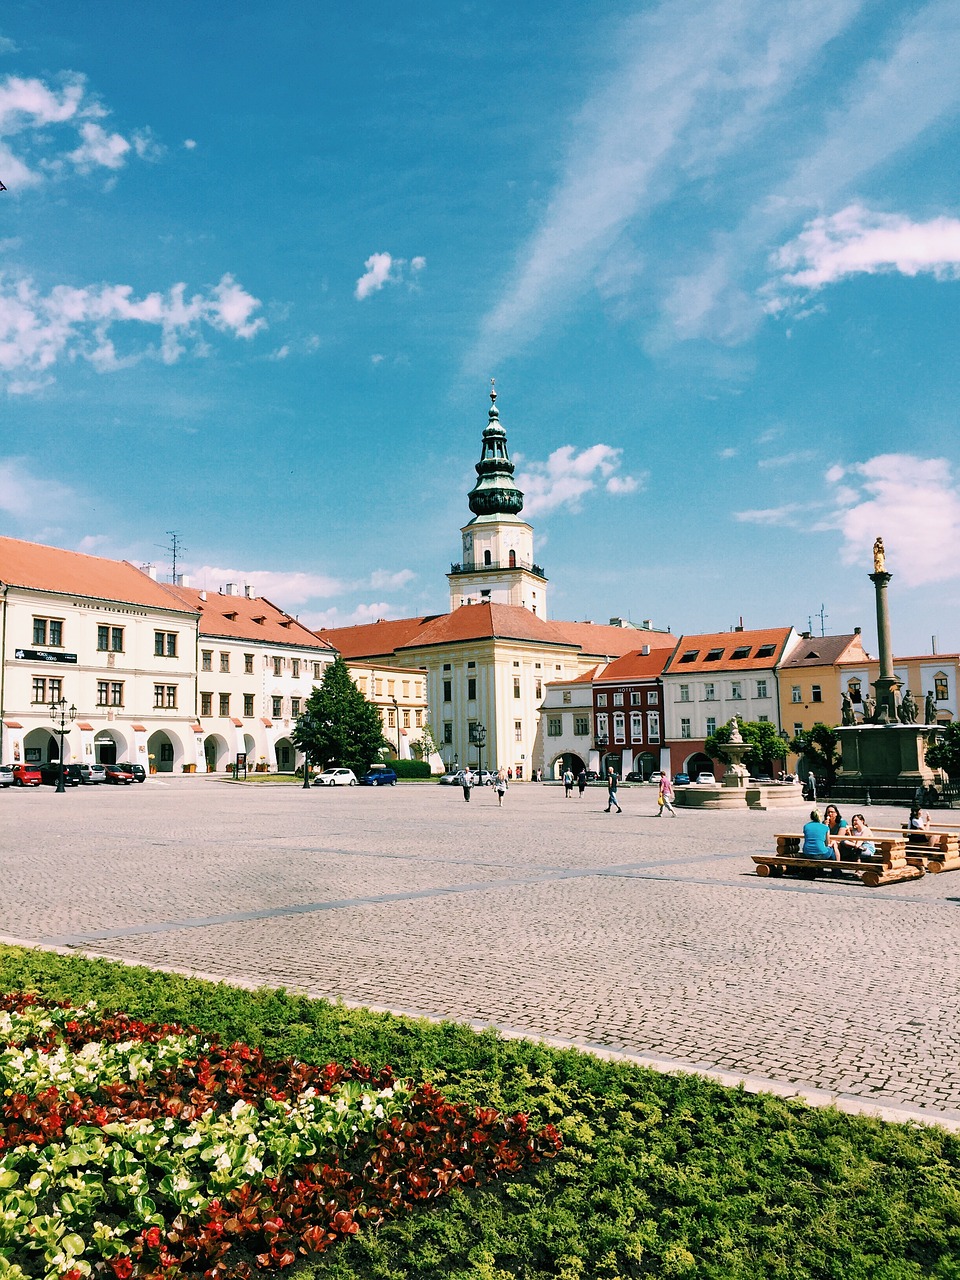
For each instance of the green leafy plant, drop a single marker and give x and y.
(945, 752)
(338, 725)
(820, 747)
(765, 743)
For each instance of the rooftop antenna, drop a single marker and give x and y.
(175, 551)
(823, 616)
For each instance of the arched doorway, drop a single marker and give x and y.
(165, 752)
(40, 746)
(216, 753)
(286, 756)
(612, 760)
(110, 746)
(698, 763)
(567, 761)
(645, 764)
(250, 747)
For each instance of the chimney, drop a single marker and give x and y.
(644, 649)
(181, 580)
(248, 591)
(150, 570)
(230, 589)
(203, 595)
(856, 631)
(616, 622)
(933, 644)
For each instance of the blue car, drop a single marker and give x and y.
(681, 779)
(379, 775)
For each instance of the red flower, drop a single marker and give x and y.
(151, 1238)
(122, 1268)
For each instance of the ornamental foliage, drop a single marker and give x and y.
(945, 752)
(764, 739)
(820, 747)
(338, 725)
(134, 1151)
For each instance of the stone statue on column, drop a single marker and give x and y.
(930, 708)
(846, 709)
(879, 557)
(909, 709)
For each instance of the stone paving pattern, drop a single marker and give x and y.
(641, 934)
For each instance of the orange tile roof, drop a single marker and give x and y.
(72, 573)
(727, 642)
(634, 666)
(225, 617)
(377, 639)
(486, 622)
(825, 651)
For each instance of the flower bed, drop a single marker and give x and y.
(129, 1149)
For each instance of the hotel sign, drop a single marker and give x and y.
(44, 655)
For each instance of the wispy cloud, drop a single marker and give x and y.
(784, 515)
(567, 477)
(388, 580)
(795, 459)
(913, 503)
(857, 241)
(383, 268)
(37, 330)
(23, 493)
(693, 83)
(36, 121)
(355, 617)
(286, 588)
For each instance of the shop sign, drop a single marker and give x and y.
(44, 655)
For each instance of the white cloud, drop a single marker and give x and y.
(913, 503)
(337, 618)
(281, 353)
(728, 453)
(383, 268)
(8, 46)
(377, 358)
(284, 589)
(386, 580)
(33, 117)
(25, 496)
(567, 477)
(694, 82)
(37, 330)
(858, 241)
(189, 144)
(795, 459)
(785, 515)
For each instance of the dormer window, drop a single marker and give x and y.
(232, 617)
(766, 651)
(743, 651)
(690, 656)
(714, 655)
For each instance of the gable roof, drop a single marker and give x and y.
(724, 644)
(633, 666)
(73, 573)
(820, 651)
(225, 617)
(378, 639)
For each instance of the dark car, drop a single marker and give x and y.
(138, 771)
(117, 774)
(681, 779)
(633, 776)
(50, 775)
(591, 775)
(26, 775)
(379, 775)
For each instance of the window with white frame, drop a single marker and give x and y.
(518, 730)
(603, 725)
(685, 729)
(601, 699)
(795, 694)
(684, 693)
(762, 689)
(567, 697)
(636, 726)
(709, 693)
(736, 689)
(653, 726)
(618, 699)
(711, 725)
(635, 698)
(619, 727)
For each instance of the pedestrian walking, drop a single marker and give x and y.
(665, 797)
(811, 786)
(567, 783)
(582, 782)
(466, 781)
(500, 786)
(612, 792)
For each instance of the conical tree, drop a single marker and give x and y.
(338, 725)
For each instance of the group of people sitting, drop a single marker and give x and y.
(832, 838)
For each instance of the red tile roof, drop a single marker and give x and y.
(30, 564)
(633, 666)
(484, 622)
(727, 642)
(225, 617)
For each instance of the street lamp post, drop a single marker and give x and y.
(61, 715)
(396, 708)
(480, 737)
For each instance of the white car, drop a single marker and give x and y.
(336, 778)
(707, 779)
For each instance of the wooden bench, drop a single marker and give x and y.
(938, 846)
(888, 865)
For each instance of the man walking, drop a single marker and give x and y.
(665, 798)
(581, 782)
(567, 783)
(466, 781)
(612, 792)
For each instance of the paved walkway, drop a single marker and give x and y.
(551, 918)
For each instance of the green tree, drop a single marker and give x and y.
(338, 725)
(763, 738)
(945, 752)
(425, 746)
(820, 747)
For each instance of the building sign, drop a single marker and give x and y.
(44, 655)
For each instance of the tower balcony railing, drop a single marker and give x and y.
(471, 566)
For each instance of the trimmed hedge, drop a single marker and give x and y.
(410, 768)
(660, 1175)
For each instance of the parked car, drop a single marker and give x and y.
(379, 775)
(591, 775)
(91, 773)
(336, 778)
(633, 776)
(681, 779)
(117, 774)
(656, 776)
(138, 771)
(449, 779)
(707, 779)
(26, 775)
(50, 775)
(6, 775)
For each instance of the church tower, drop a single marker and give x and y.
(497, 565)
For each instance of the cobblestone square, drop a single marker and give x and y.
(550, 917)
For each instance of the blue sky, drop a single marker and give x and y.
(257, 270)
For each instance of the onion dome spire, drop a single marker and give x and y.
(495, 492)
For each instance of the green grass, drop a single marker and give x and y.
(661, 1175)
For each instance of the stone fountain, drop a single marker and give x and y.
(736, 789)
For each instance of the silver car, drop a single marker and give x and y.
(91, 773)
